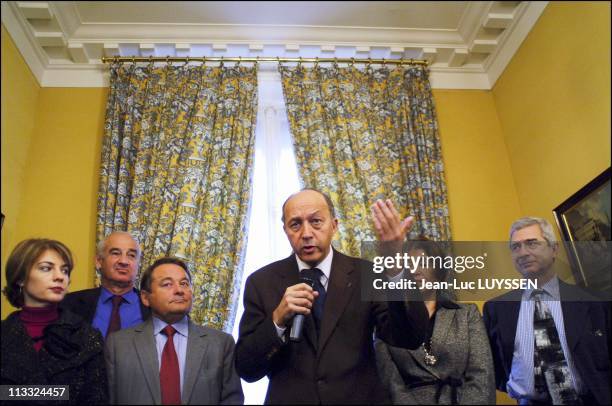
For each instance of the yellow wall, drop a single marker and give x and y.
(63, 174)
(482, 198)
(20, 92)
(51, 141)
(481, 193)
(553, 102)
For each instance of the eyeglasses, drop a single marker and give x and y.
(530, 245)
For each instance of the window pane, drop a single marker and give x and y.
(275, 177)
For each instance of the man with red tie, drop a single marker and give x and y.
(168, 359)
(116, 303)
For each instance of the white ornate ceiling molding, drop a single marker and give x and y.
(62, 50)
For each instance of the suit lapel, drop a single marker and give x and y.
(444, 319)
(339, 292)
(144, 343)
(574, 314)
(507, 320)
(89, 303)
(197, 346)
(145, 312)
(290, 275)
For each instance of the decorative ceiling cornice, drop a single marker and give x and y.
(63, 51)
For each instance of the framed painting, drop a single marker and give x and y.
(584, 222)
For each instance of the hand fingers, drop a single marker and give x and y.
(298, 309)
(376, 213)
(383, 215)
(407, 224)
(300, 287)
(302, 291)
(391, 207)
(389, 212)
(299, 302)
(300, 295)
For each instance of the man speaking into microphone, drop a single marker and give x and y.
(330, 359)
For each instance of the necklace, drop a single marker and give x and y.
(430, 359)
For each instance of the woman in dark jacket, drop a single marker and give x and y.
(42, 344)
(454, 364)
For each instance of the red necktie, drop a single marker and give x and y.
(114, 323)
(169, 374)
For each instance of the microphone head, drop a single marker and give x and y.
(308, 276)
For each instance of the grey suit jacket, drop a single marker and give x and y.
(460, 344)
(133, 368)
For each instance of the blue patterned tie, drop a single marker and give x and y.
(552, 378)
(319, 303)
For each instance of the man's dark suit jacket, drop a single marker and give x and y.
(84, 303)
(339, 366)
(587, 330)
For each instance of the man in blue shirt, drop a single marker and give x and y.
(116, 303)
(549, 345)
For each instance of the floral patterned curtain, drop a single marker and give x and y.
(361, 135)
(176, 172)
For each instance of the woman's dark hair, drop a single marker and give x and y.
(21, 261)
(431, 249)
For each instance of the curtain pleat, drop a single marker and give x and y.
(362, 135)
(176, 170)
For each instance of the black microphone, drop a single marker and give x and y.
(307, 276)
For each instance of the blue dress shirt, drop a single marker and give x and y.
(129, 311)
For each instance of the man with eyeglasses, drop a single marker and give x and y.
(549, 345)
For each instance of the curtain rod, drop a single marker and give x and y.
(170, 59)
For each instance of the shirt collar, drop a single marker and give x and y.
(130, 297)
(324, 266)
(181, 327)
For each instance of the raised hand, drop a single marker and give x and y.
(387, 222)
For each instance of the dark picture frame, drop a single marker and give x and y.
(585, 216)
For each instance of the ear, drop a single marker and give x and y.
(555, 249)
(335, 223)
(144, 297)
(98, 262)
